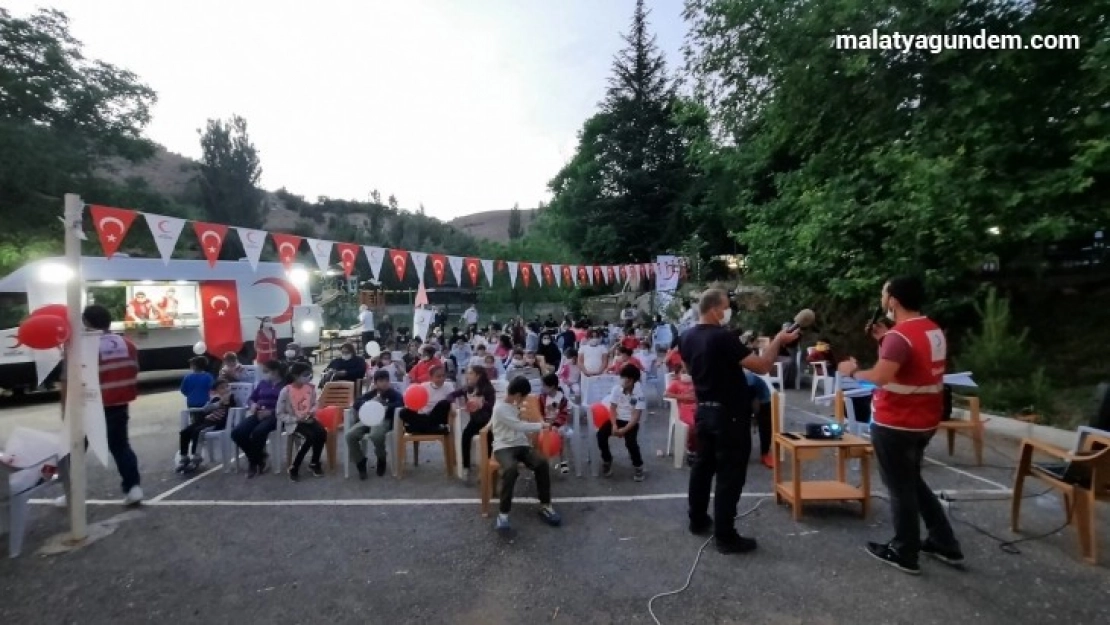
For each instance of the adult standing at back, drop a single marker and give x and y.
(118, 366)
(908, 404)
(366, 324)
(470, 316)
(715, 360)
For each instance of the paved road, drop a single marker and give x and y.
(224, 549)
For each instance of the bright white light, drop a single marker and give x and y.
(109, 283)
(181, 282)
(298, 276)
(308, 326)
(55, 273)
(994, 230)
(147, 282)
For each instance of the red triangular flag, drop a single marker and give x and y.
(111, 226)
(526, 274)
(348, 256)
(612, 274)
(583, 275)
(472, 270)
(548, 274)
(624, 273)
(211, 237)
(400, 260)
(599, 275)
(568, 275)
(287, 247)
(439, 266)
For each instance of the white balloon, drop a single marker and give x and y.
(373, 349)
(372, 413)
(200, 348)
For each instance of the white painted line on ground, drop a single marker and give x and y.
(90, 502)
(161, 497)
(928, 459)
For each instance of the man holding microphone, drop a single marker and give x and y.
(908, 404)
(716, 359)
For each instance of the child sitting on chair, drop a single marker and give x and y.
(296, 407)
(511, 447)
(569, 373)
(232, 371)
(213, 417)
(555, 412)
(383, 392)
(681, 389)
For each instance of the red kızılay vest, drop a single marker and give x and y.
(119, 370)
(914, 399)
(265, 346)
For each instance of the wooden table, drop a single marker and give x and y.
(796, 492)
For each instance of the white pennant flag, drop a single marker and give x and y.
(487, 266)
(420, 261)
(322, 251)
(456, 263)
(513, 266)
(166, 231)
(537, 269)
(252, 241)
(376, 256)
(558, 271)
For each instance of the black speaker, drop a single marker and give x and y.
(1100, 418)
(824, 431)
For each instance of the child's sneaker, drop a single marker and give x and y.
(607, 469)
(563, 467)
(552, 518)
(638, 474)
(501, 524)
(294, 474)
(183, 465)
(317, 470)
(195, 462)
(361, 466)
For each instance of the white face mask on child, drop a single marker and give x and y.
(290, 353)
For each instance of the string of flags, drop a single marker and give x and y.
(113, 224)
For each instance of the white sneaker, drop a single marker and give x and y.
(60, 502)
(464, 474)
(134, 496)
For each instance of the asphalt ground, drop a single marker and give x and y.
(218, 548)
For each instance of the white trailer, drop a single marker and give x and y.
(158, 306)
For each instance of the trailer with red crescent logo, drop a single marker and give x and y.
(165, 308)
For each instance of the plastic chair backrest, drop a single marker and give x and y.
(341, 394)
(400, 387)
(596, 389)
(250, 375)
(241, 391)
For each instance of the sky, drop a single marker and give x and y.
(462, 105)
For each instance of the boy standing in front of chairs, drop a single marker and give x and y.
(511, 447)
(626, 406)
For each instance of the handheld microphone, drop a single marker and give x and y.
(803, 319)
(878, 314)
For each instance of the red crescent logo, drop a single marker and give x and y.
(291, 292)
(162, 226)
(250, 237)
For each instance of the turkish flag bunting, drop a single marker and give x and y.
(472, 269)
(211, 237)
(583, 275)
(348, 256)
(222, 329)
(568, 274)
(548, 274)
(599, 275)
(439, 266)
(624, 273)
(111, 226)
(612, 274)
(287, 247)
(526, 274)
(400, 260)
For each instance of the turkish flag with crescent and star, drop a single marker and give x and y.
(400, 260)
(111, 226)
(623, 273)
(287, 247)
(526, 274)
(439, 266)
(612, 271)
(211, 237)
(472, 269)
(222, 327)
(548, 274)
(348, 256)
(583, 275)
(568, 274)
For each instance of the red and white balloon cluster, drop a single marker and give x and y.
(45, 328)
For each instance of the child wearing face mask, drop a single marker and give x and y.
(556, 413)
(213, 417)
(421, 372)
(293, 353)
(385, 362)
(489, 363)
(593, 357)
(626, 406)
(296, 407)
(517, 364)
(549, 351)
(682, 390)
(569, 374)
(624, 357)
(347, 368)
(253, 430)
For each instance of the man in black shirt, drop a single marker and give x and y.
(716, 359)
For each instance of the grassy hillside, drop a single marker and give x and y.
(491, 225)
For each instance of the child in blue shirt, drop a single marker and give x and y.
(197, 385)
(761, 410)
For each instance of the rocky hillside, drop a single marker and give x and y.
(491, 225)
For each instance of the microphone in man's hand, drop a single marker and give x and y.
(878, 314)
(803, 319)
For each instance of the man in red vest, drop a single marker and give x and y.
(118, 364)
(908, 404)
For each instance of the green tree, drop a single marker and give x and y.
(229, 173)
(393, 202)
(620, 196)
(516, 230)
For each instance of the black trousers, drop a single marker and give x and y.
(475, 425)
(605, 432)
(119, 444)
(508, 458)
(315, 436)
(251, 434)
(367, 336)
(724, 447)
(763, 421)
(432, 422)
(191, 433)
(900, 453)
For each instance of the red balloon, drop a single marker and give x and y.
(416, 397)
(43, 332)
(551, 443)
(329, 417)
(58, 310)
(601, 415)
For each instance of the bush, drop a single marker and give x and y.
(1003, 364)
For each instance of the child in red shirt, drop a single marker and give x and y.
(682, 389)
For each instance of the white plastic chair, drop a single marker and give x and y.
(776, 377)
(821, 376)
(19, 502)
(677, 431)
(221, 439)
(595, 390)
